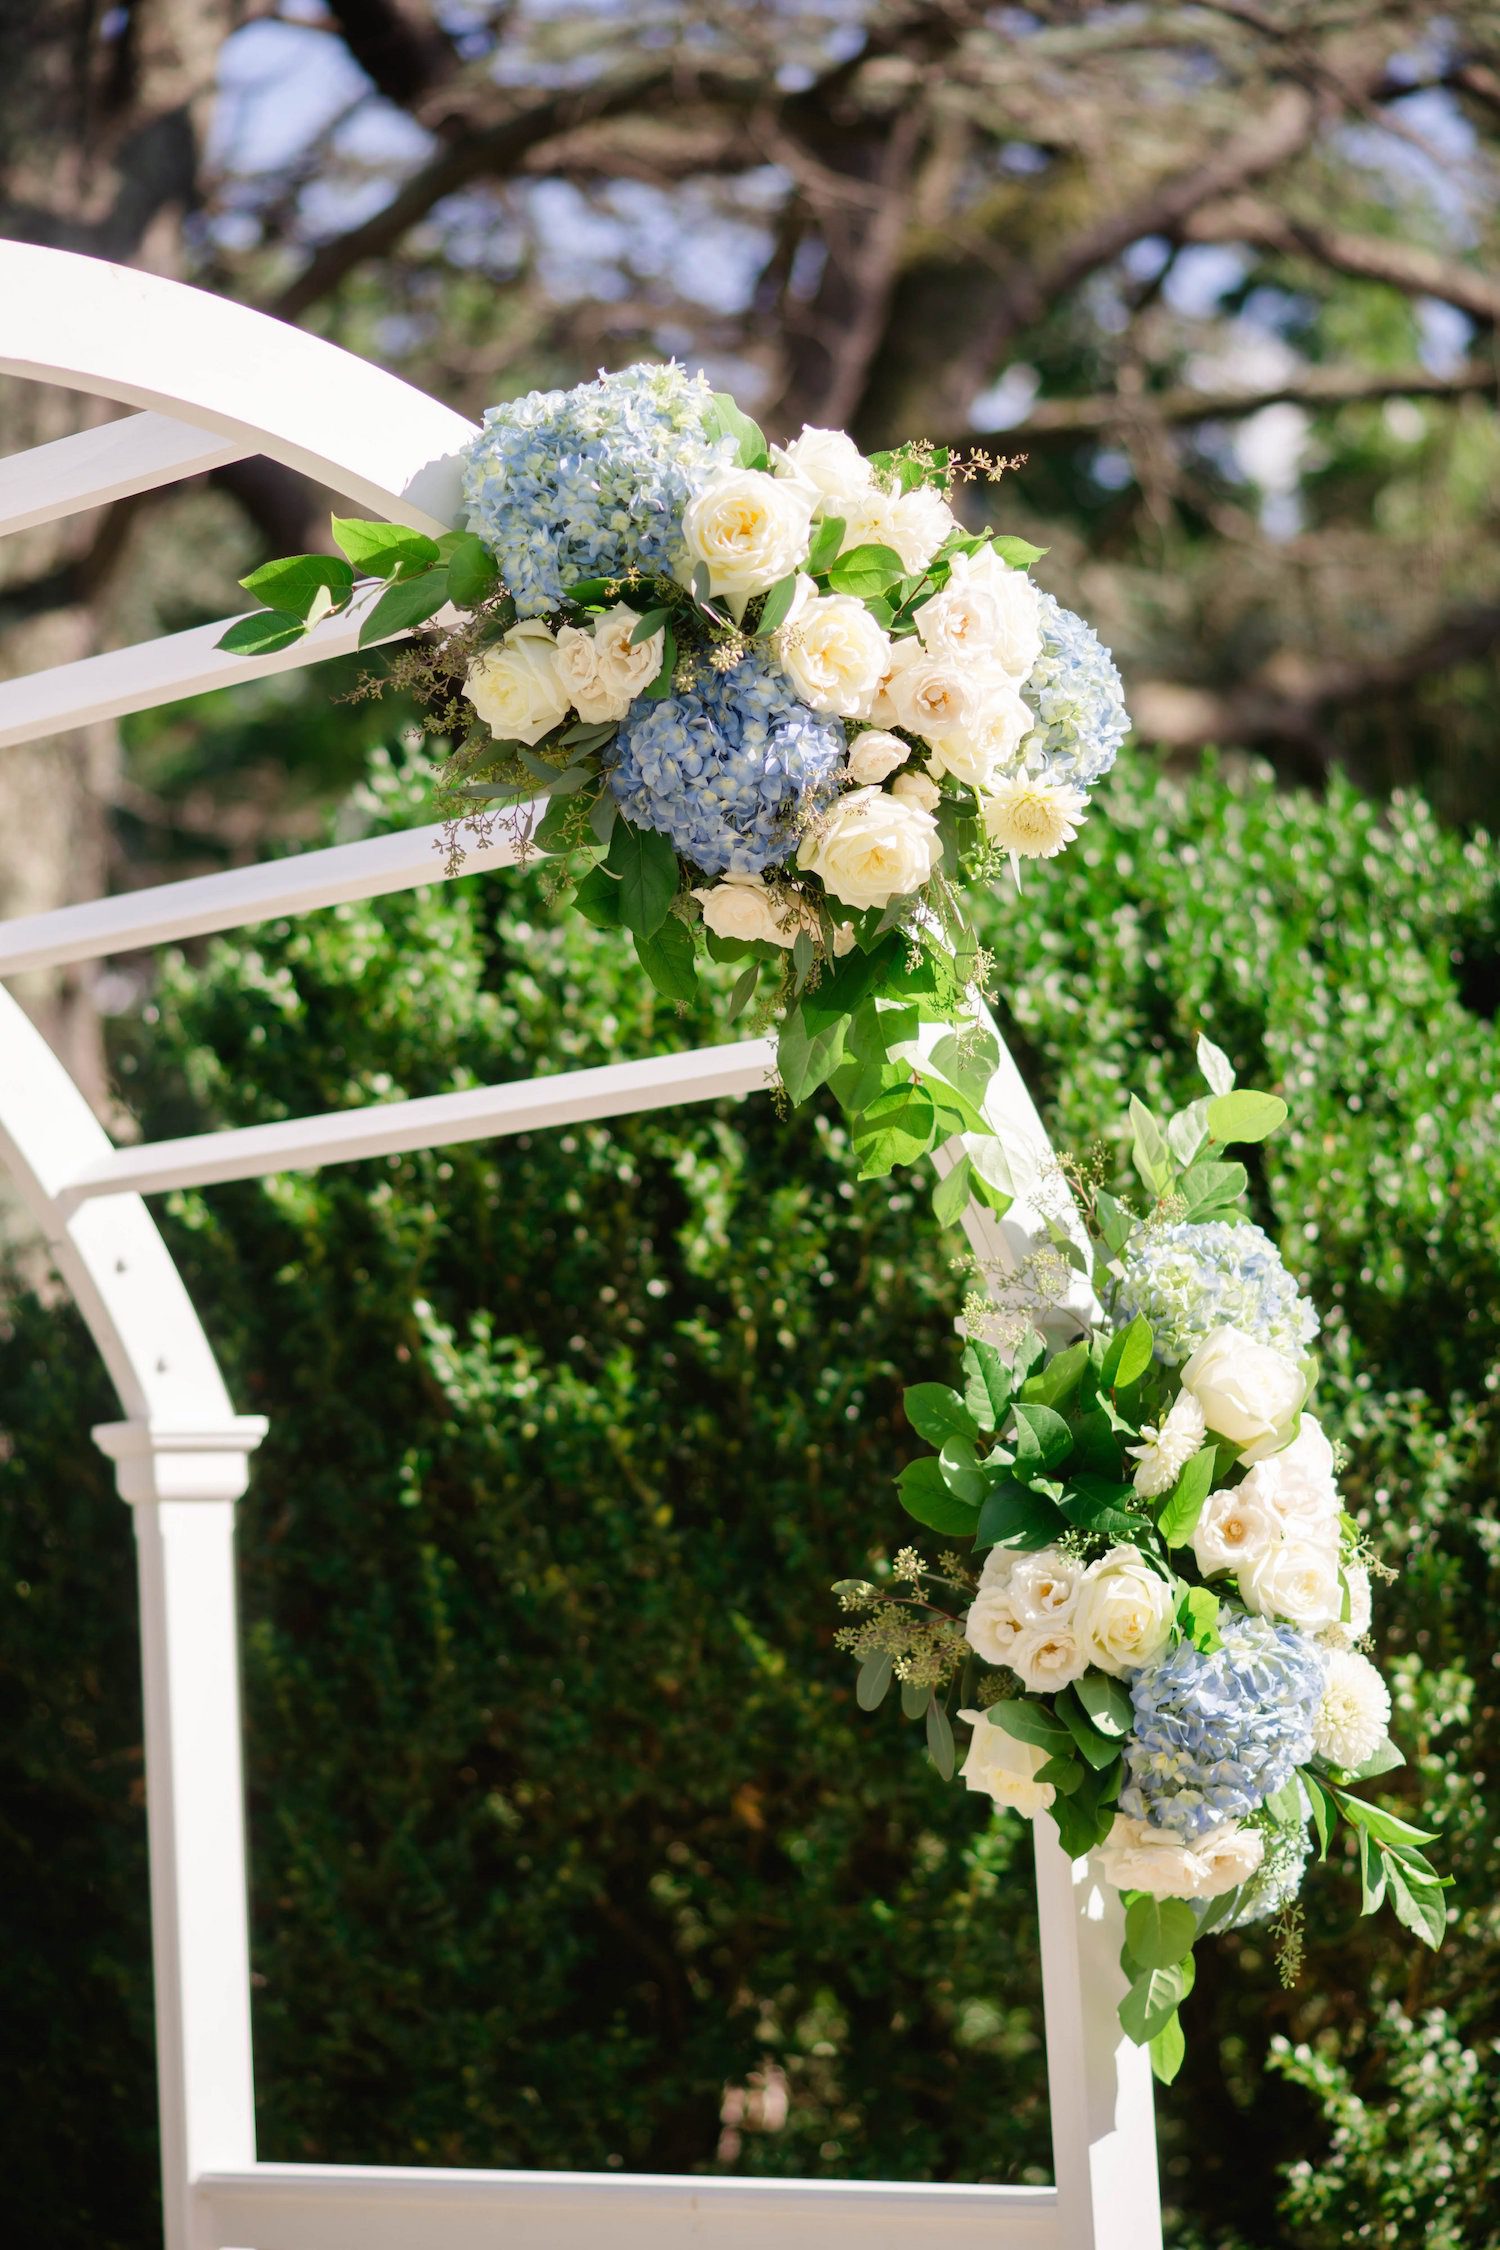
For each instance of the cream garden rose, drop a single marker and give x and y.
(1137, 1857)
(603, 670)
(1249, 1393)
(749, 530)
(1010, 604)
(872, 847)
(980, 752)
(1045, 1658)
(1297, 1485)
(1124, 1612)
(1298, 1580)
(518, 689)
(835, 655)
(740, 906)
(1002, 1768)
(1234, 1530)
(828, 461)
(875, 755)
(916, 789)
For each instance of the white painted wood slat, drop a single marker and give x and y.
(304, 1144)
(240, 897)
(92, 467)
(381, 2207)
(149, 673)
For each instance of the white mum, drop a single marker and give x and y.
(1167, 1446)
(1032, 819)
(1354, 1716)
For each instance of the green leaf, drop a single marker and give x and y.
(1187, 1130)
(1383, 1825)
(661, 686)
(1128, 1355)
(924, 1494)
(1159, 1931)
(1149, 1151)
(1325, 1811)
(646, 867)
(378, 549)
(1206, 1183)
(1418, 1906)
(1198, 1619)
(597, 899)
(603, 813)
(295, 583)
(1245, 1116)
(777, 603)
(865, 571)
(558, 828)
(1032, 1722)
(406, 602)
(725, 419)
(914, 1698)
(473, 573)
(668, 960)
(1043, 1439)
(827, 540)
(987, 1384)
(1178, 1519)
(1384, 1760)
(1371, 1873)
(1167, 2048)
(744, 992)
(1114, 1221)
(874, 1678)
(260, 634)
(1107, 1703)
(961, 1471)
(806, 1058)
(1152, 2001)
(1215, 1066)
(950, 1198)
(897, 1128)
(1015, 1517)
(1099, 1750)
(937, 1413)
(968, 1063)
(940, 1740)
(648, 625)
(1059, 1378)
(1019, 553)
(1096, 1503)
(1084, 1819)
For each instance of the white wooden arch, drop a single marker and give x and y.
(213, 382)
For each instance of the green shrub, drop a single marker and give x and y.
(563, 1819)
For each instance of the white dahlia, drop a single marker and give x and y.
(1355, 1714)
(1166, 1449)
(1033, 819)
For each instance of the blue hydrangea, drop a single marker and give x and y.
(1075, 692)
(563, 485)
(1189, 1279)
(722, 768)
(1216, 1735)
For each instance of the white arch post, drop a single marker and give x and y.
(213, 382)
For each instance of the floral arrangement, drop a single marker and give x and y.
(1165, 1613)
(783, 706)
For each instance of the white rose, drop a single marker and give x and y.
(626, 668)
(518, 689)
(740, 906)
(1296, 1485)
(916, 789)
(1044, 1585)
(1046, 1657)
(981, 752)
(1016, 638)
(1235, 1529)
(1124, 1612)
(1297, 1580)
(1005, 1769)
(827, 460)
(929, 695)
(993, 1625)
(1249, 1393)
(871, 848)
(748, 528)
(875, 755)
(835, 655)
(1135, 1856)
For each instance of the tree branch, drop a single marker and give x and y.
(1366, 257)
(1062, 419)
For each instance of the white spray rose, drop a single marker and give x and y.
(1235, 1529)
(626, 668)
(1297, 1484)
(1046, 1658)
(1137, 1857)
(1045, 1584)
(930, 695)
(1002, 1768)
(1298, 1580)
(1124, 1612)
(835, 655)
(518, 689)
(740, 906)
(1249, 1393)
(980, 753)
(993, 1625)
(875, 755)
(748, 528)
(871, 847)
(1015, 640)
(828, 461)
(916, 789)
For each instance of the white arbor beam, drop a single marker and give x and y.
(303, 1144)
(380, 2207)
(241, 896)
(149, 673)
(267, 387)
(93, 467)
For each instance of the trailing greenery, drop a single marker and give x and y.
(564, 1815)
